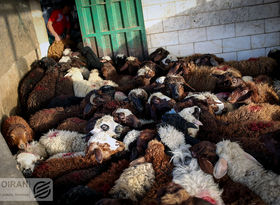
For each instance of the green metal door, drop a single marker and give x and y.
(112, 27)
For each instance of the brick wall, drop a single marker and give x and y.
(232, 29)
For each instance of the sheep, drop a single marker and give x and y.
(188, 174)
(17, 132)
(64, 86)
(204, 59)
(126, 117)
(46, 119)
(245, 169)
(158, 55)
(191, 114)
(251, 112)
(26, 162)
(172, 138)
(133, 182)
(132, 65)
(73, 124)
(138, 97)
(83, 87)
(120, 60)
(59, 141)
(78, 195)
(105, 181)
(175, 194)
(37, 148)
(197, 75)
(254, 66)
(162, 168)
(43, 92)
(28, 82)
(58, 166)
(159, 104)
(64, 101)
(125, 82)
(103, 146)
(213, 102)
(106, 125)
(175, 87)
(146, 72)
(256, 93)
(91, 58)
(168, 62)
(130, 137)
(233, 192)
(76, 177)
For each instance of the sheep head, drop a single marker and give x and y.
(18, 136)
(176, 86)
(105, 124)
(126, 117)
(240, 95)
(26, 162)
(206, 60)
(138, 97)
(158, 55)
(102, 147)
(132, 64)
(205, 152)
(159, 104)
(108, 71)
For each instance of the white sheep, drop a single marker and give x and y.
(61, 141)
(171, 137)
(188, 174)
(134, 182)
(107, 125)
(82, 87)
(37, 148)
(204, 95)
(130, 137)
(245, 169)
(26, 162)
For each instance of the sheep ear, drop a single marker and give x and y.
(98, 155)
(250, 157)
(220, 168)
(205, 165)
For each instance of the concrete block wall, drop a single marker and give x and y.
(232, 29)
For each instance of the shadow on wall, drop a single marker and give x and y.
(229, 28)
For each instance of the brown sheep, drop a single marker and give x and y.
(132, 65)
(251, 112)
(27, 84)
(233, 192)
(162, 166)
(73, 124)
(254, 66)
(56, 167)
(43, 92)
(56, 50)
(64, 85)
(197, 75)
(17, 132)
(125, 82)
(174, 194)
(105, 181)
(158, 55)
(46, 119)
(257, 93)
(175, 87)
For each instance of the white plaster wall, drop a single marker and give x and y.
(232, 29)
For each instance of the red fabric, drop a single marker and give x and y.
(60, 21)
